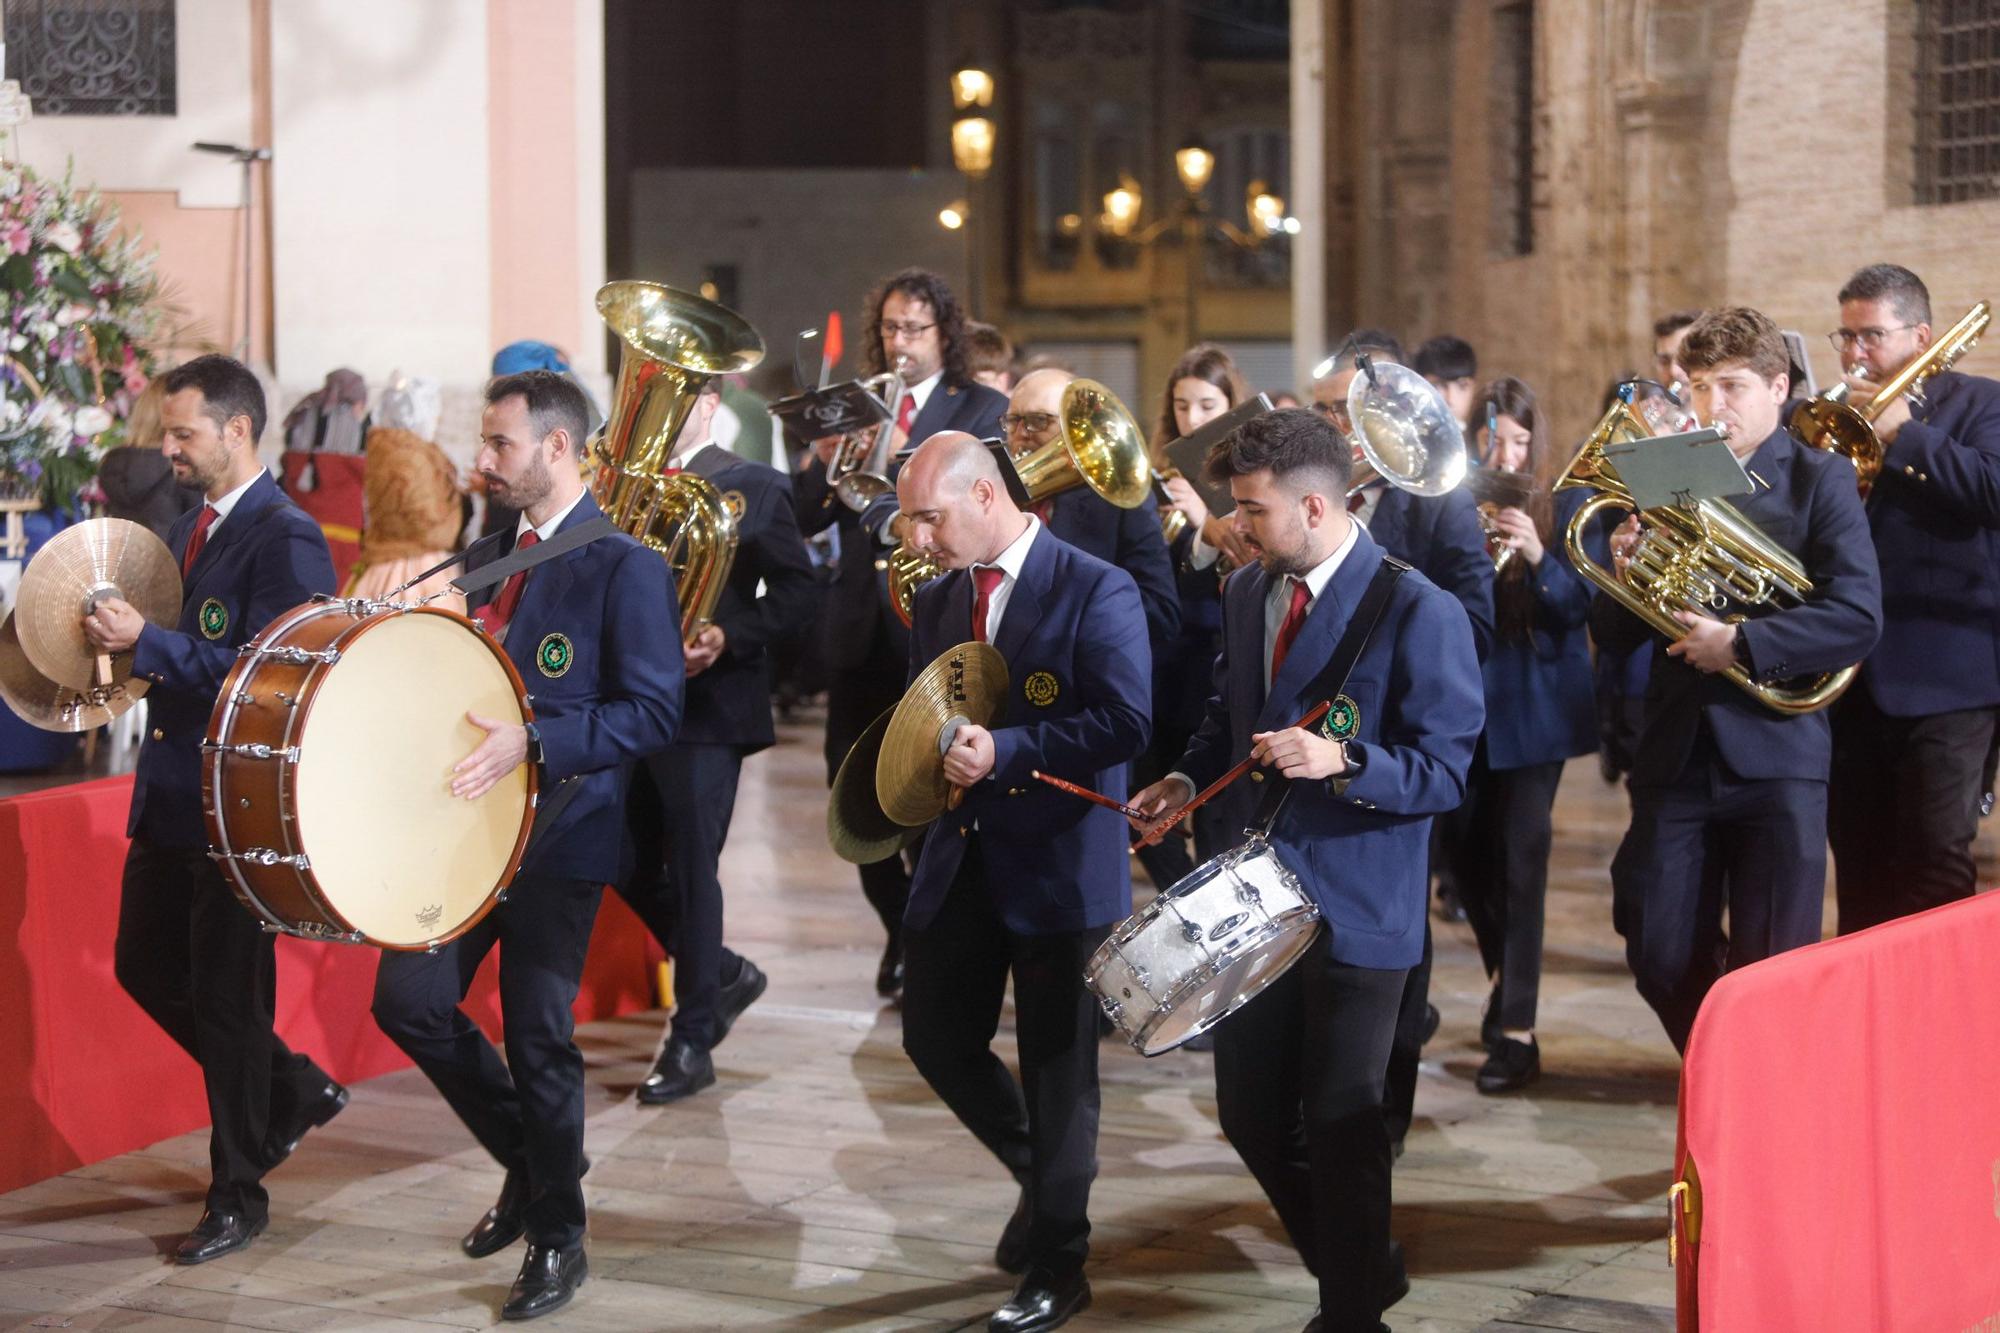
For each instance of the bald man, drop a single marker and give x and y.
(1022, 879)
(1127, 538)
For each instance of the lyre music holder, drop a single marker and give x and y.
(1681, 469)
(834, 410)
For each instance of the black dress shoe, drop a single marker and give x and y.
(1011, 1254)
(215, 1235)
(329, 1102)
(1450, 906)
(1431, 1020)
(1489, 1018)
(889, 973)
(1042, 1301)
(681, 1071)
(549, 1277)
(1510, 1065)
(506, 1219)
(738, 995)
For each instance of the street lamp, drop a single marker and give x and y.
(972, 140)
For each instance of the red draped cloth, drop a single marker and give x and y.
(73, 1046)
(1841, 1106)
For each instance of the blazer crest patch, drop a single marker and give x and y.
(213, 619)
(1343, 719)
(554, 655)
(1041, 688)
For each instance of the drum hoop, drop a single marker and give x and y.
(1285, 923)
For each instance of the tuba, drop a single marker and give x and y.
(673, 344)
(1829, 422)
(1705, 557)
(1098, 444)
(1404, 432)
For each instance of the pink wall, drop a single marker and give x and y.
(531, 118)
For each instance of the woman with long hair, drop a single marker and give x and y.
(1538, 714)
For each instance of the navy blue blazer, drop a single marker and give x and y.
(1935, 516)
(859, 607)
(1540, 704)
(1440, 537)
(597, 639)
(1363, 852)
(730, 702)
(264, 559)
(1806, 502)
(1078, 670)
(1131, 540)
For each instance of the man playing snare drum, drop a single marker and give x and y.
(1299, 1070)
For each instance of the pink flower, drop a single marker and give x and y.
(17, 238)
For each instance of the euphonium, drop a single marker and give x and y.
(673, 344)
(1828, 422)
(1706, 558)
(1098, 444)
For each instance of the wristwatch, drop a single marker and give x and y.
(534, 742)
(1354, 761)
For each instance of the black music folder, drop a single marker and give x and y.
(1190, 452)
(834, 410)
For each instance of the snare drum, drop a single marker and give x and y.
(326, 775)
(1204, 948)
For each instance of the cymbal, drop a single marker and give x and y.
(856, 828)
(104, 557)
(40, 702)
(965, 684)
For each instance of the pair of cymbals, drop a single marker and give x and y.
(49, 673)
(892, 783)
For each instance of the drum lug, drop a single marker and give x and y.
(263, 856)
(1250, 894)
(288, 754)
(1190, 932)
(1113, 1010)
(1143, 977)
(243, 698)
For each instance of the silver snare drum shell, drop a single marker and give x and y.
(1204, 948)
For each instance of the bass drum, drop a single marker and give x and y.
(326, 775)
(1204, 948)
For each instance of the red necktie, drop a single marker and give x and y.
(1355, 501)
(906, 415)
(496, 613)
(199, 539)
(986, 578)
(1288, 631)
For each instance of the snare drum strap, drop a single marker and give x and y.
(1332, 681)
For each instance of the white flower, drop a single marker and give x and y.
(63, 237)
(17, 342)
(92, 421)
(10, 412)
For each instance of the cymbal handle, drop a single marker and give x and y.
(953, 797)
(104, 671)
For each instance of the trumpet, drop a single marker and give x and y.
(1495, 489)
(1830, 422)
(859, 472)
(1705, 557)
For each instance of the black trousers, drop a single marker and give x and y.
(1399, 1097)
(1043, 1128)
(678, 813)
(527, 1112)
(855, 697)
(1501, 864)
(1298, 1084)
(1903, 808)
(204, 969)
(1708, 841)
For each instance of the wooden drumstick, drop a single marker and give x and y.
(1095, 798)
(1165, 826)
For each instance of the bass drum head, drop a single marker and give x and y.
(392, 850)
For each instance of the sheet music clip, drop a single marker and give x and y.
(1190, 452)
(834, 410)
(1679, 469)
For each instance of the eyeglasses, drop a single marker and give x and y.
(1034, 423)
(908, 328)
(1842, 339)
(1335, 412)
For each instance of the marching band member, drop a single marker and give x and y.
(196, 962)
(1729, 796)
(1538, 714)
(683, 797)
(1299, 1072)
(597, 630)
(912, 315)
(1021, 879)
(1910, 740)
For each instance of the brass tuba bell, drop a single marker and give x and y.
(1706, 558)
(1098, 444)
(673, 343)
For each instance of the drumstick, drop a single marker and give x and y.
(1161, 829)
(1087, 794)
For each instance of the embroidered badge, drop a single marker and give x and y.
(1343, 719)
(554, 655)
(1040, 689)
(733, 502)
(213, 619)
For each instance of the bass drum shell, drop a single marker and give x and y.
(349, 829)
(1204, 948)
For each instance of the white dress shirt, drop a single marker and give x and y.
(228, 502)
(546, 530)
(1010, 563)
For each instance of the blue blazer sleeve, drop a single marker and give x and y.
(639, 710)
(1114, 674)
(1142, 553)
(1959, 464)
(1843, 619)
(1419, 765)
(1458, 563)
(777, 553)
(290, 568)
(1562, 597)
